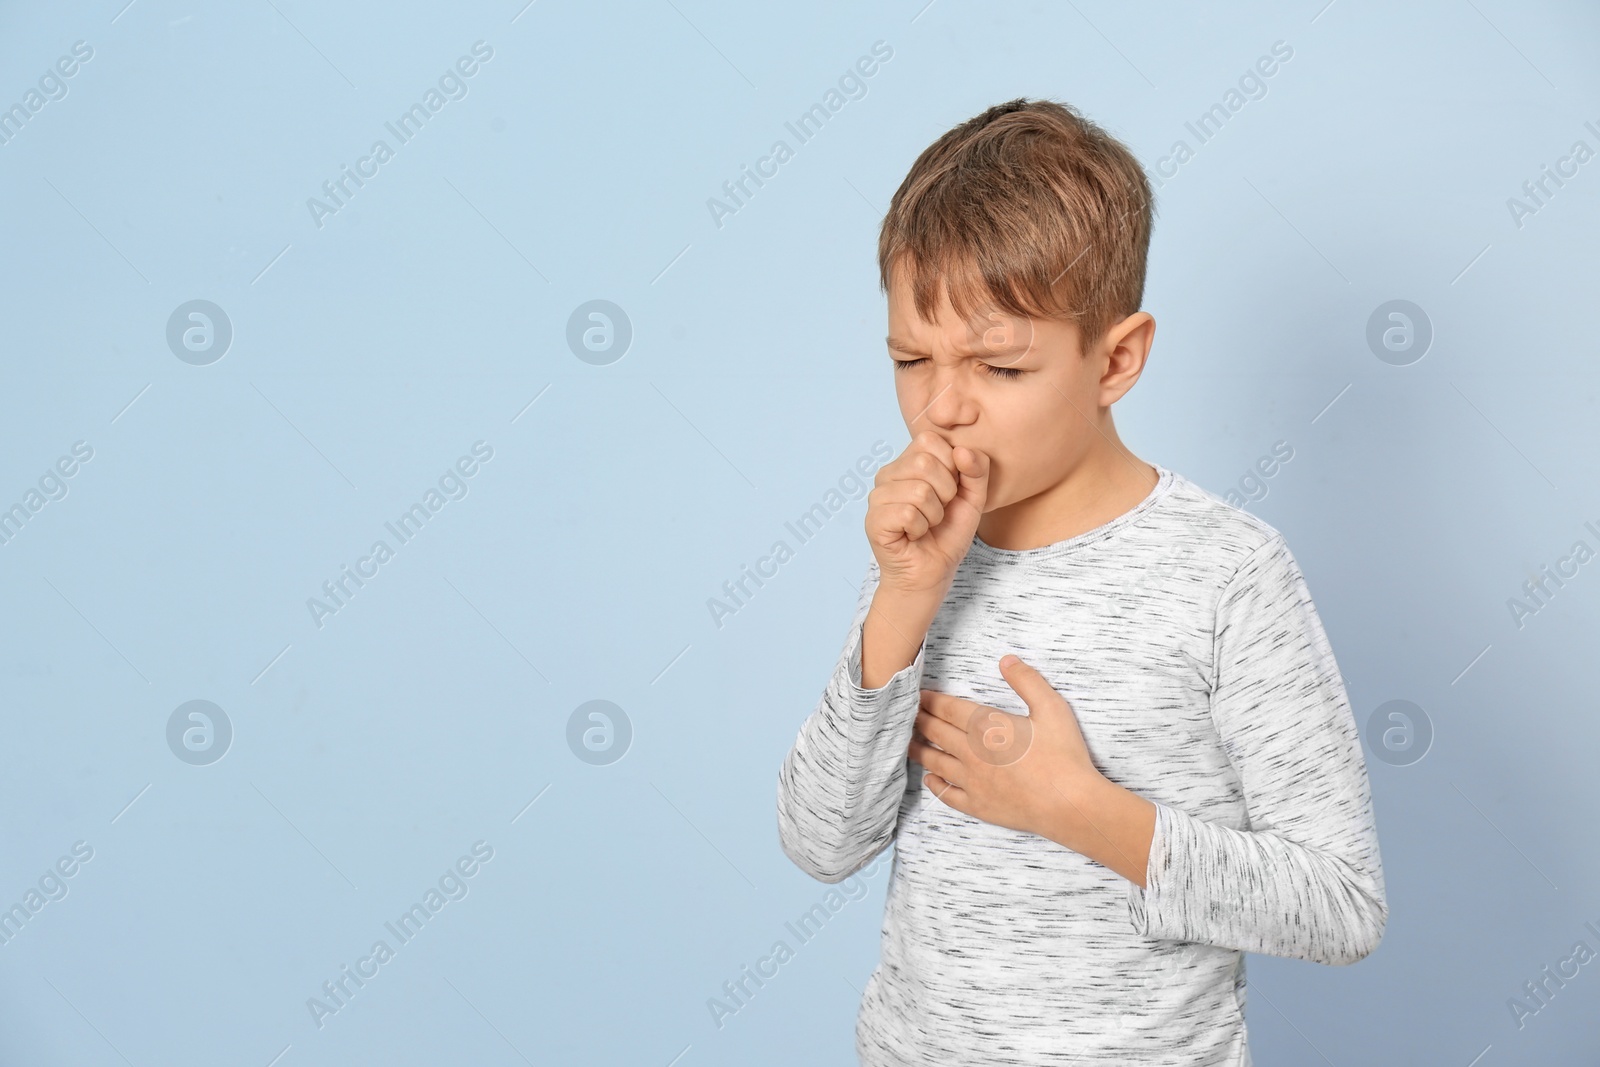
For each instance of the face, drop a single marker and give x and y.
(1019, 389)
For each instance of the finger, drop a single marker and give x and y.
(919, 494)
(937, 472)
(944, 735)
(951, 709)
(945, 764)
(918, 738)
(953, 795)
(934, 445)
(975, 468)
(892, 523)
(1034, 688)
(919, 735)
(926, 443)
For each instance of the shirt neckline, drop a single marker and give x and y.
(1164, 481)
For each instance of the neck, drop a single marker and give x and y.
(1105, 482)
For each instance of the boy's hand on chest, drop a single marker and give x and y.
(1031, 772)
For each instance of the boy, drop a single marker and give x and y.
(1088, 838)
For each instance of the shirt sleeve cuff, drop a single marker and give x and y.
(1147, 904)
(909, 675)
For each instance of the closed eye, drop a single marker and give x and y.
(997, 372)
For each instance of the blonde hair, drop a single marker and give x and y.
(1029, 208)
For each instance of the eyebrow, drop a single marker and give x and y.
(909, 349)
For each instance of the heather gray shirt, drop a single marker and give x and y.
(1184, 637)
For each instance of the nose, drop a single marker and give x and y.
(948, 404)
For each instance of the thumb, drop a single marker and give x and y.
(1034, 688)
(974, 483)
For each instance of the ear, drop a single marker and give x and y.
(1127, 347)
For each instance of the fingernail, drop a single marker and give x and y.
(1008, 660)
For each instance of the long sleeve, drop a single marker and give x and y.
(1306, 879)
(840, 786)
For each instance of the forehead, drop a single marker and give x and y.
(988, 331)
(996, 342)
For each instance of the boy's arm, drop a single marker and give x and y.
(840, 786)
(1305, 880)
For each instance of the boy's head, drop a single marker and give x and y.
(1013, 256)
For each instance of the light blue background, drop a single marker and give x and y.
(370, 353)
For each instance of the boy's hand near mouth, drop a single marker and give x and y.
(922, 514)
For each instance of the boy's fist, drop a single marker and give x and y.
(923, 511)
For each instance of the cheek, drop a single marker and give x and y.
(1021, 453)
(905, 396)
